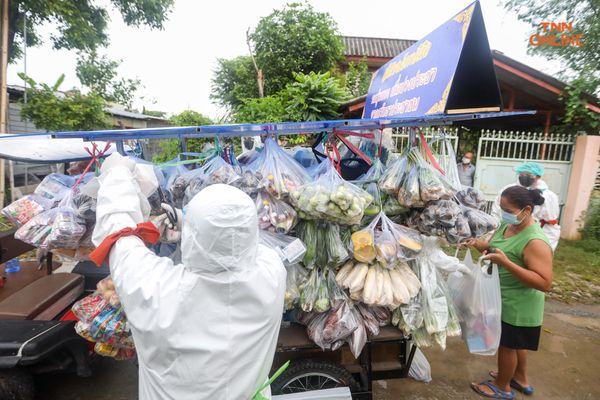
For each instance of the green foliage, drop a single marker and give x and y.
(591, 230)
(171, 148)
(292, 40)
(233, 81)
(358, 78)
(100, 75)
(256, 111)
(81, 24)
(577, 116)
(54, 111)
(154, 113)
(314, 97)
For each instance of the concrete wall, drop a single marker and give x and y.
(581, 184)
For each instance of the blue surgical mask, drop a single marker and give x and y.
(511, 219)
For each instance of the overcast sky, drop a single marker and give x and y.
(175, 65)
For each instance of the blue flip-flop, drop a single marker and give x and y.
(498, 393)
(526, 390)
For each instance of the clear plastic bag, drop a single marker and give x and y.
(446, 158)
(249, 182)
(37, 229)
(315, 329)
(67, 228)
(393, 176)
(194, 181)
(420, 369)
(290, 249)
(331, 198)
(274, 215)
(444, 218)
(55, 187)
(391, 206)
(89, 307)
(471, 198)
(281, 173)
(340, 323)
(295, 282)
(480, 223)
(358, 339)
(409, 194)
(372, 177)
(476, 296)
(218, 171)
(370, 321)
(324, 244)
(310, 292)
(22, 210)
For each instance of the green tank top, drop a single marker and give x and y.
(521, 305)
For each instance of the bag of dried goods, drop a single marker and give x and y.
(281, 174)
(331, 198)
(20, 211)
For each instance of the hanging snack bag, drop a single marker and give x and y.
(281, 173)
(20, 211)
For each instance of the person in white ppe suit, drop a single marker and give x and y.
(530, 176)
(206, 328)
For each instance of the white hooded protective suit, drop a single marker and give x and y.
(206, 328)
(548, 211)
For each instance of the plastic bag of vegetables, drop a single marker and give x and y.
(194, 180)
(315, 295)
(324, 245)
(371, 178)
(280, 172)
(340, 323)
(218, 171)
(331, 198)
(471, 198)
(444, 218)
(295, 281)
(393, 176)
(480, 223)
(446, 159)
(290, 249)
(273, 214)
(385, 241)
(249, 182)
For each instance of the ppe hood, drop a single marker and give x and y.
(220, 231)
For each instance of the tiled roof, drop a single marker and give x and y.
(374, 47)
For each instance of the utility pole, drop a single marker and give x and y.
(3, 93)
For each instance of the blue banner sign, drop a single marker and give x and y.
(419, 81)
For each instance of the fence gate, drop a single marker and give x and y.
(501, 152)
(400, 137)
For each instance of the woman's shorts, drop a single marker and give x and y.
(520, 337)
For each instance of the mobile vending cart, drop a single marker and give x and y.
(385, 356)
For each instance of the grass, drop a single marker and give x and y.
(577, 272)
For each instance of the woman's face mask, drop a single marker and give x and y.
(526, 180)
(512, 219)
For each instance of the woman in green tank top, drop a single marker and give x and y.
(524, 257)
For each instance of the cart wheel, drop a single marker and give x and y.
(16, 384)
(306, 375)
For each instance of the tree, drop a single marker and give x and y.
(314, 97)
(357, 78)
(100, 75)
(295, 39)
(54, 111)
(266, 109)
(292, 40)
(233, 81)
(171, 148)
(81, 24)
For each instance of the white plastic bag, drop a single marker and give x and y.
(476, 296)
(420, 369)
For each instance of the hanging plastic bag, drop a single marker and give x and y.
(409, 194)
(37, 229)
(446, 158)
(290, 249)
(307, 232)
(471, 197)
(340, 323)
(372, 177)
(67, 228)
(55, 187)
(420, 370)
(22, 210)
(331, 198)
(480, 223)
(274, 215)
(295, 282)
(391, 206)
(444, 218)
(336, 250)
(358, 339)
(310, 293)
(281, 173)
(175, 183)
(393, 176)
(249, 182)
(315, 329)
(218, 171)
(194, 181)
(89, 307)
(477, 299)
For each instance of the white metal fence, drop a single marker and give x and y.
(400, 136)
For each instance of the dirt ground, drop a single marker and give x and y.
(566, 367)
